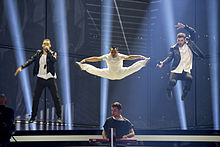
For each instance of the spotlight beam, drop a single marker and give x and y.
(106, 21)
(16, 34)
(62, 42)
(168, 15)
(213, 45)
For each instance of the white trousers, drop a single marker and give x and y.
(112, 75)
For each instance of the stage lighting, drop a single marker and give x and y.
(167, 13)
(62, 44)
(17, 40)
(106, 21)
(213, 46)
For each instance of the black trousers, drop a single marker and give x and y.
(52, 86)
(185, 76)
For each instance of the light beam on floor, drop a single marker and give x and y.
(213, 46)
(106, 21)
(17, 40)
(171, 35)
(62, 46)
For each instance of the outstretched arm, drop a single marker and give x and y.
(18, 70)
(27, 63)
(166, 61)
(134, 57)
(92, 59)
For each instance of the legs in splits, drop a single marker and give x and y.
(126, 71)
(94, 70)
(112, 75)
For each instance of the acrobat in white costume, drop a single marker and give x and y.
(115, 70)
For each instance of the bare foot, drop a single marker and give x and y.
(79, 64)
(147, 60)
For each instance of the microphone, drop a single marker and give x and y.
(48, 49)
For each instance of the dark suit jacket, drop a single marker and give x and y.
(6, 124)
(51, 59)
(175, 53)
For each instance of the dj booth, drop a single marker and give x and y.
(157, 138)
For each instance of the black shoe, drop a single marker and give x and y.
(31, 120)
(169, 94)
(59, 120)
(184, 94)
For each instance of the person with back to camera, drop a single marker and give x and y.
(7, 126)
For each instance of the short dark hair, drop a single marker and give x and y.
(180, 35)
(114, 47)
(118, 105)
(2, 95)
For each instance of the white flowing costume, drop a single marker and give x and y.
(115, 70)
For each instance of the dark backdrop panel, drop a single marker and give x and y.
(132, 93)
(77, 28)
(85, 90)
(5, 38)
(9, 83)
(31, 14)
(32, 18)
(203, 81)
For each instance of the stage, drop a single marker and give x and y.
(157, 138)
(78, 30)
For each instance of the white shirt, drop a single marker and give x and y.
(186, 58)
(114, 64)
(43, 69)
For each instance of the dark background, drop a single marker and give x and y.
(142, 94)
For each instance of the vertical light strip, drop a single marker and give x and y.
(16, 34)
(169, 26)
(213, 46)
(62, 45)
(106, 21)
(180, 105)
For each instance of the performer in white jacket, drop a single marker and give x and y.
(115, 69)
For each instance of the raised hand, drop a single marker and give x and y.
(179, 26)
(160, 65)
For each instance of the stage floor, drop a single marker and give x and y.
(81, 136)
